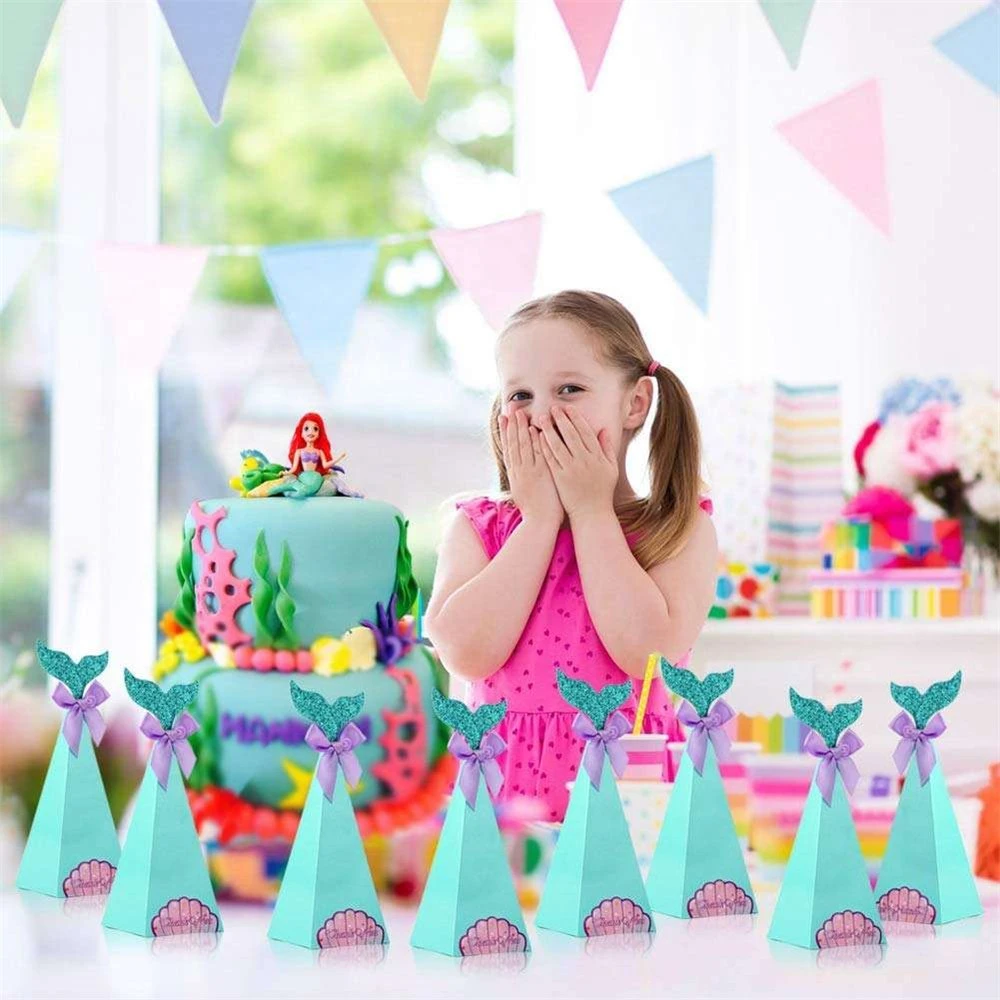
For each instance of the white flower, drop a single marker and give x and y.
(884, 458)
(984, 499)
(978, 437)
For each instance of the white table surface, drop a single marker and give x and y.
(57, 948)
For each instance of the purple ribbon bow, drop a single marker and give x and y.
(81, 710)
(833, 759)
(916, 741)
(340, 751)
(705, 728)
(601, 741)
(471, 762)
(173, 741)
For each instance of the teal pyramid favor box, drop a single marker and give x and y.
(698, 868)
(327, 898)
(469, 906)
(594, 886)
(826, 899)
(72, 847)
(925, 876)
(162, 887)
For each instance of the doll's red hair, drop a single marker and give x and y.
(322, 443)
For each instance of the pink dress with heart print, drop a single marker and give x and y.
(543, 753)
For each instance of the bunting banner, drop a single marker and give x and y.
(413, 33)
(672, 211)
(24, 36)
(208, 34)
(318, 288)
(789, 20)
(842, 138)
(146, 291)
(494, 265)
(975, 46)
(17, 252)
(590, 24)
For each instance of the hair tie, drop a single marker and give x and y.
(653, 366)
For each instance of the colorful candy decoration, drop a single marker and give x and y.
(745, 590)
(698, 868)
(925, 873)
(72, 847)
(594, 871)
(469, 904)
(162, 886)
(826, 899)
(327, 897)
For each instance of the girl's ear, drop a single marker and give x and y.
(640, 401)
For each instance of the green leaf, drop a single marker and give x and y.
(76, 676)
(829, 724)
(701, 693)
(406, 585)
(331, 718)
(165, 705)
(262, 595)
(184, 607)
(284, 606)
(597, 706)
(472, 725)
(923, 706)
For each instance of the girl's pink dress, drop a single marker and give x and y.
(543, 753)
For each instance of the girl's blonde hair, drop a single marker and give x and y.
(662, 520)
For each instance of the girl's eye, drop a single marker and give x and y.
(570, 390)
(520, 396)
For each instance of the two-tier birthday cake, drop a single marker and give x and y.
(298, 576)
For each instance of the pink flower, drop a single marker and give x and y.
(884, 506)
(864, 443)
(930, 441)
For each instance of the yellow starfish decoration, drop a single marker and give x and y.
(301, 778)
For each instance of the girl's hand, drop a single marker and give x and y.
(583, 464)
(531, 486)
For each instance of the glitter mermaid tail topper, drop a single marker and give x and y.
(698, 868)
(327, 898)
(826, 899)
(72, 848)
(925, 875)
(469, 905)
(162, 887)
(594, 886)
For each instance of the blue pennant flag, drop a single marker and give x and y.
(318, 288)
(208, 35)
(672, 212)
(975, 46)
(789, 20)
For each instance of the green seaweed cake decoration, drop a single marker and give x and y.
(922, 707)
(184, 606)
(272, 604)
(700, 693)
(406, 585)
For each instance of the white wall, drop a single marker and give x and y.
(803, 286)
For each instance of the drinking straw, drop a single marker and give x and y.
(647, 683)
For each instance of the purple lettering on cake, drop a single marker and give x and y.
(233, 725)
(291, 732)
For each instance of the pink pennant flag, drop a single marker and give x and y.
(590, 24)
(495, 265)
(842, 138)
(146, 290)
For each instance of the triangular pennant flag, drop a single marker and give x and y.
(72, 847)
(590, 24)
(925, 876)
(842, 138)
(327, 898)
(698, 868)
(789, 20)
(24, 35)
(146, 291)
(17, 250)
(413, 34)
(162, 887)
(672, 211)
(494, 265)
(975, 46)
(207, 34)
(318, 288)
(826, 898)
(594, 886)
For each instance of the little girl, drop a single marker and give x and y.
(569, 569)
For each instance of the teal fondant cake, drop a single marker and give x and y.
(300, 577)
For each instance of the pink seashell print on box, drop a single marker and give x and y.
(492, 936)
(350, 928)
(849, 927)
(90, 878)
(719, 899)
(184, 916)
(906, 906)
(616, 916)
